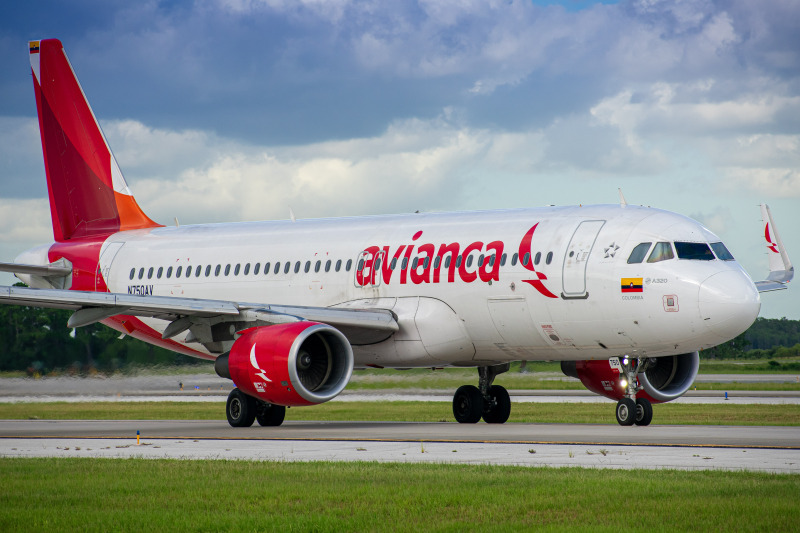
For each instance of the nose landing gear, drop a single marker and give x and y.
(630, 409)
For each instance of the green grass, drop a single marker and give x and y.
(540, 413)
(172, 495)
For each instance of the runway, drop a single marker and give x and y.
(768, 448)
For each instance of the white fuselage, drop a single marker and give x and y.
(576, 296)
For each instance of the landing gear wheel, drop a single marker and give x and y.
(269, 414)
(240, 409)
(626, 412)
(500, 410)
(644, 412)
(468, 404)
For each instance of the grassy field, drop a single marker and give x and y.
(451, 379)
(170, 495)
(541, 413)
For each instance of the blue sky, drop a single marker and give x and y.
(237, 109)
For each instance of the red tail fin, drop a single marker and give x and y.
(88, 194)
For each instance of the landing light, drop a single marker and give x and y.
(623, 383)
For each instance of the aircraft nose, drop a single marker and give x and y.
(729, 303)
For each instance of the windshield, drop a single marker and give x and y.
(721, 251)
(698, 251)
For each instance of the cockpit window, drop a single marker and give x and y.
(698, 251)
(661, 252)
(721, 251)
(638, 254)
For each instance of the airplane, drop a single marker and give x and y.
(624, 296)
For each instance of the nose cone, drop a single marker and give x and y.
(729, 303)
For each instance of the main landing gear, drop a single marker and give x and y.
(242, 410)
(630, 409)
(487, 401)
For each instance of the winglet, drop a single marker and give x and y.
(781, 270)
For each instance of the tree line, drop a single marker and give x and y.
(38, 341)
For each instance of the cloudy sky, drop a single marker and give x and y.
(227, 110)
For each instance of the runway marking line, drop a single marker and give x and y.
(432, 441)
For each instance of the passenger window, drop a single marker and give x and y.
(297, 267)
(469, 261)
(178, 272)
(169, 272)
(458, 262)
(426, 262)
(141, 273)
(317, 266)
(698, 251)
(208, 270)
(437, 261)
(133, 273)
(150, 273)
(328, 265)
(278, 268)
(405, 263)
(526, 259)
(721, 251)
(227, 270)
(308, 266)
(217, 270)
(514, 259)
(160, 272)
(286, 267)
(247, 269)
(392, 265)
(662, 251)
(549, 258)
(349, 265)
(503, 260)
(236, 270)
(188, 271)
(537, 258)
(257, 269)
(638, 254)
(339, 265)
(197, 271)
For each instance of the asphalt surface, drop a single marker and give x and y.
(768, 449)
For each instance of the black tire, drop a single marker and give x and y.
(468, 404)
(501, 410)
(268, 414)
(644, 412)
(626, 412)
(240, 409)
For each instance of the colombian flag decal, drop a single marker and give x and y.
(631, 284)
(34, 46)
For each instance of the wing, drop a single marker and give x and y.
(781, 270)
(201, 317)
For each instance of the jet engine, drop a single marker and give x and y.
(663, 379)
(299, 363)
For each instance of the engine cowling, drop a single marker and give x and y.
(664, 379)
(300, 363)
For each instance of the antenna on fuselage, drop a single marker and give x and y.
(622, 201)
(291, 215)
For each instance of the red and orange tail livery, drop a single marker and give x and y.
(88, 194)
